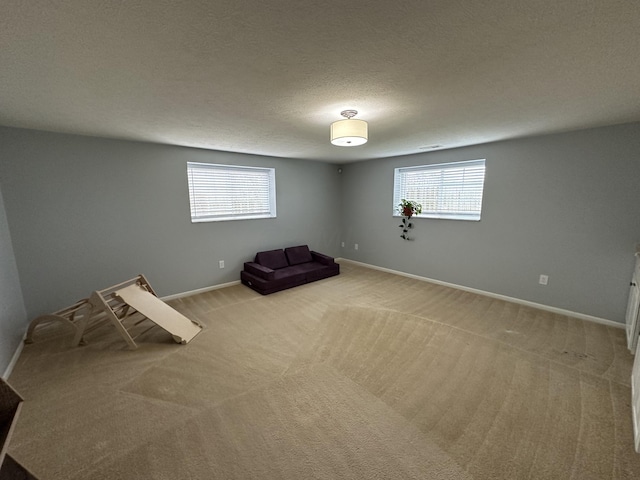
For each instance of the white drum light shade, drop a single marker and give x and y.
(350, 132)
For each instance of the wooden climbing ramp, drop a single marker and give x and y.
(67, 316)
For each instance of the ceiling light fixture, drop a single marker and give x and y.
(349, 132)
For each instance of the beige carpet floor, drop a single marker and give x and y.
(367, 375)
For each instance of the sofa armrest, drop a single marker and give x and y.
(322, 258)
(258, 270)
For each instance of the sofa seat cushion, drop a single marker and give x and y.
(288, 272)
(269, 286)
(322, 271)
(298, 255)
(273, 259)
(296, 271)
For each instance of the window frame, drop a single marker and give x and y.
(230, 212)
(438, 212)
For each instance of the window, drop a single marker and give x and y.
(230, 192)
(445, 190)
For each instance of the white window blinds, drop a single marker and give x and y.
(445, 190)
(230, 192)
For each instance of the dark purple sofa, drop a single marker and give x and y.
(276, 270)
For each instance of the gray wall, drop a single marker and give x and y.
(12, 312)
(565, 205)
(86, 213)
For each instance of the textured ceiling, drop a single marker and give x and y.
(268, 77)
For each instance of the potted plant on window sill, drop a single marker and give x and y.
(407, 209)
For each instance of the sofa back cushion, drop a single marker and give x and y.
(273, 259)
(298, 255)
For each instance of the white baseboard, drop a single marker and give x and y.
(199, 290)
(14, 360)
(519, 301)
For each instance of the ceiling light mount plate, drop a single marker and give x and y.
(349, 132)
(349, 113)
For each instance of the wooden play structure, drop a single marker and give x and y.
(125, 305)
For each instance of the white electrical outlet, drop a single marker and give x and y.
(544, 279)
(221, 263)
(342, 244)
(355, 246)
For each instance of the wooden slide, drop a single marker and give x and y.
(133, 301)
(180, 327)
